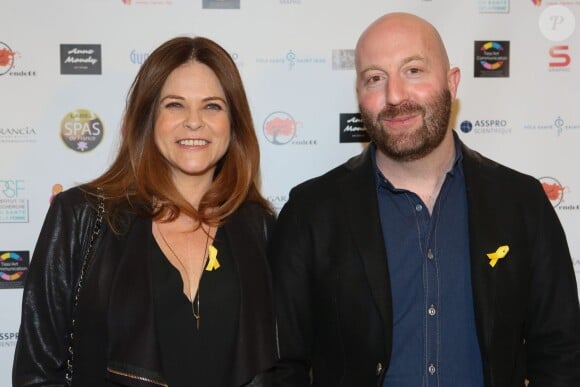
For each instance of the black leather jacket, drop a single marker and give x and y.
(114, 336)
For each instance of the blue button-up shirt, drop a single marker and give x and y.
(434, 335)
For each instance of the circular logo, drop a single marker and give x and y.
(553, 189)
(279, 128)
(81, 130)
(6, 58)
(466, 126)
(491, 56)
(10, 266)
(557, 23)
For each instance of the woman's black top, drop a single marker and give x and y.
(194, 357)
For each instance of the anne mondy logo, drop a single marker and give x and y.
(279, 128)
(81, 130)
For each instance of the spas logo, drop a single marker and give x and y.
(559, 125)
(6, 58)
(81, 130)
(491, 59)
(13, 268)
(553, 189)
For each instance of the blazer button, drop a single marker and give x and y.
(379, 368)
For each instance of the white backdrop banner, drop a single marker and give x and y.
(66, 67)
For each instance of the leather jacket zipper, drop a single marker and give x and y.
(137, 377)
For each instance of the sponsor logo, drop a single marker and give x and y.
(18, 134)
(280, 128)
(80, 59)
(537, 3)
(8, 339)
(277, 201)
(81, 130)
(13, 268)
(491, 59)
(553, 189)
(343, 59)
(8, 63)
(221, 4)
(147, 2)
(486, 126)
(13, 201)
(137, 57)
(56, 189)
(576, 263)
(558, 194)
(6, 58)
(557, 23)
(352, 128)
(560, 58)
(493, 6)
(291, 59)
(559, 125)
(287, 2)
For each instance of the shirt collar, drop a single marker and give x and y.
(382, 181)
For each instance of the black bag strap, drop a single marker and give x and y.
(83, 271)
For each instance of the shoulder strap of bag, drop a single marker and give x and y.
(85, 264)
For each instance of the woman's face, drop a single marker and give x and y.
(192, 129)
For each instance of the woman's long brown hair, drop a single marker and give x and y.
(140, 175)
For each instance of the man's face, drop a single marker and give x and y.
(405, 89)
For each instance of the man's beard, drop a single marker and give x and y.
(416, 143)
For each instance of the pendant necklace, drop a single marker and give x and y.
(194, 300)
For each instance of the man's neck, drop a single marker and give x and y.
(424, 176)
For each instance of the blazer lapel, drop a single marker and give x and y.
(360, 204)
(482, 197)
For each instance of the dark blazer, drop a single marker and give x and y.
(115, 341)
(332, 289)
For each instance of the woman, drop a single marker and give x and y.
(171, 287)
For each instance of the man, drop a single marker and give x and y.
(420, 262)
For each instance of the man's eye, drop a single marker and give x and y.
(374, 79)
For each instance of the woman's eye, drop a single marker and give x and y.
(214, 106)
(173, 105)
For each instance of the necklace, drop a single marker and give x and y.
(194, 300)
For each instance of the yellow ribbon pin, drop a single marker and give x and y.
(213, 263)
(500, 253)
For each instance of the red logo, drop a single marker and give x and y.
(561, 56)
(537, 3)
(553, 189)
(6, 58)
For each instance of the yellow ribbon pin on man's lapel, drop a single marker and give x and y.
(213, 263)
(500, 253)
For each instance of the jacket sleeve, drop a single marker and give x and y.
(41, 351)
(290, 249)
(552, 334)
